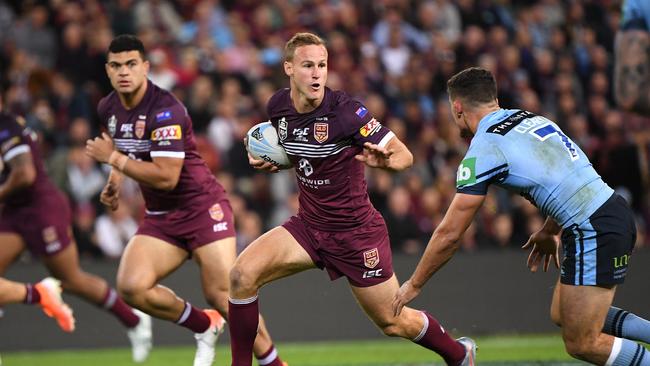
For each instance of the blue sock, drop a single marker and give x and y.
(628, 353)
(623, 324)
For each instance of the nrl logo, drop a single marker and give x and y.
(371, 258)
(300, 134)
(257, 134)
(282, 128)
(112, 125)
(321, 132)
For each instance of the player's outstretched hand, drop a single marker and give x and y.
(260, 164)
(110, 196)
(375, 156)
(544, 246)
(100, 148)
(404, 295)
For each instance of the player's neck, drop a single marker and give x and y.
(476, 115)
(131, 100)
(302, 104)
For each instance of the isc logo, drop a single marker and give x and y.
(222, 226)
(373, 273)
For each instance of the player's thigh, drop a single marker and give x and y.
(274, 255)
(376, 301)
(215, 261)
(583, 310)
(11, 245)
(146, 260)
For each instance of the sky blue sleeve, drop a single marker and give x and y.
(483, 165)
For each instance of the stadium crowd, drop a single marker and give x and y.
(223, 60)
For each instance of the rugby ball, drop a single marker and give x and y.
(262, 143)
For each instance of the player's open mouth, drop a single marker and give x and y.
(315, 86)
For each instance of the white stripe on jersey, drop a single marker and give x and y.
(15, 151)
(385, 139)
(130, 145)
(168, 154)
(315, 151)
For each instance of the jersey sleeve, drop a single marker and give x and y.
(634, 16)
(12, 141)
(483, 165)
(169, 127)
(365, 128)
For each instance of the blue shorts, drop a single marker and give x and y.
(597, 251)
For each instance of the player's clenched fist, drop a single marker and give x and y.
(100, 148)
(110, 196)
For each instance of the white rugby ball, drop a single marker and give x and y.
(263, 144)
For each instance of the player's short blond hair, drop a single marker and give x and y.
(298, 40)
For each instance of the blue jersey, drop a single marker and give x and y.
(636, 15)
(530, 155)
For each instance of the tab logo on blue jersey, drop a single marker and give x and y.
(163, 116)
(361, 112)
(466, 173)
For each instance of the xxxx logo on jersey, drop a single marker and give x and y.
(173, 132)
(466, 173)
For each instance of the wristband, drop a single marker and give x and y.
(117, 160)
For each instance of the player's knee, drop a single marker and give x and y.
(130, 291)
(241, 280)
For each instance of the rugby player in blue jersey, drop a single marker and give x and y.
(530, 155)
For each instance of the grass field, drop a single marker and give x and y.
(502, 350)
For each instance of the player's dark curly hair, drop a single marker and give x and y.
(125, 43)
(474, 86)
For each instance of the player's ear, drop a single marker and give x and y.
(288, 68)
(457, 107)
(146, 66)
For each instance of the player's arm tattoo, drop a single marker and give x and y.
(632, 71)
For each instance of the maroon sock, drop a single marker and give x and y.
(434, 337)
(243, 320)
(119, 308)
(32, 296)
(194, 319)
(269, 358)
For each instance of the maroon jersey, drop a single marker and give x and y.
(159, 126)
(16, 140)
(321, 145)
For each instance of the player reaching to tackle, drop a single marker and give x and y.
(530, 155)
(328, 136)
(187, 210)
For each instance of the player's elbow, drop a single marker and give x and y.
(448, 239)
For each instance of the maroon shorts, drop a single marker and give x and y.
(191, 227)
(44, 226)
(362, 255)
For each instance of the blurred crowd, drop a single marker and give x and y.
(223, 59)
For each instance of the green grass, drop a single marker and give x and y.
(512, 350)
